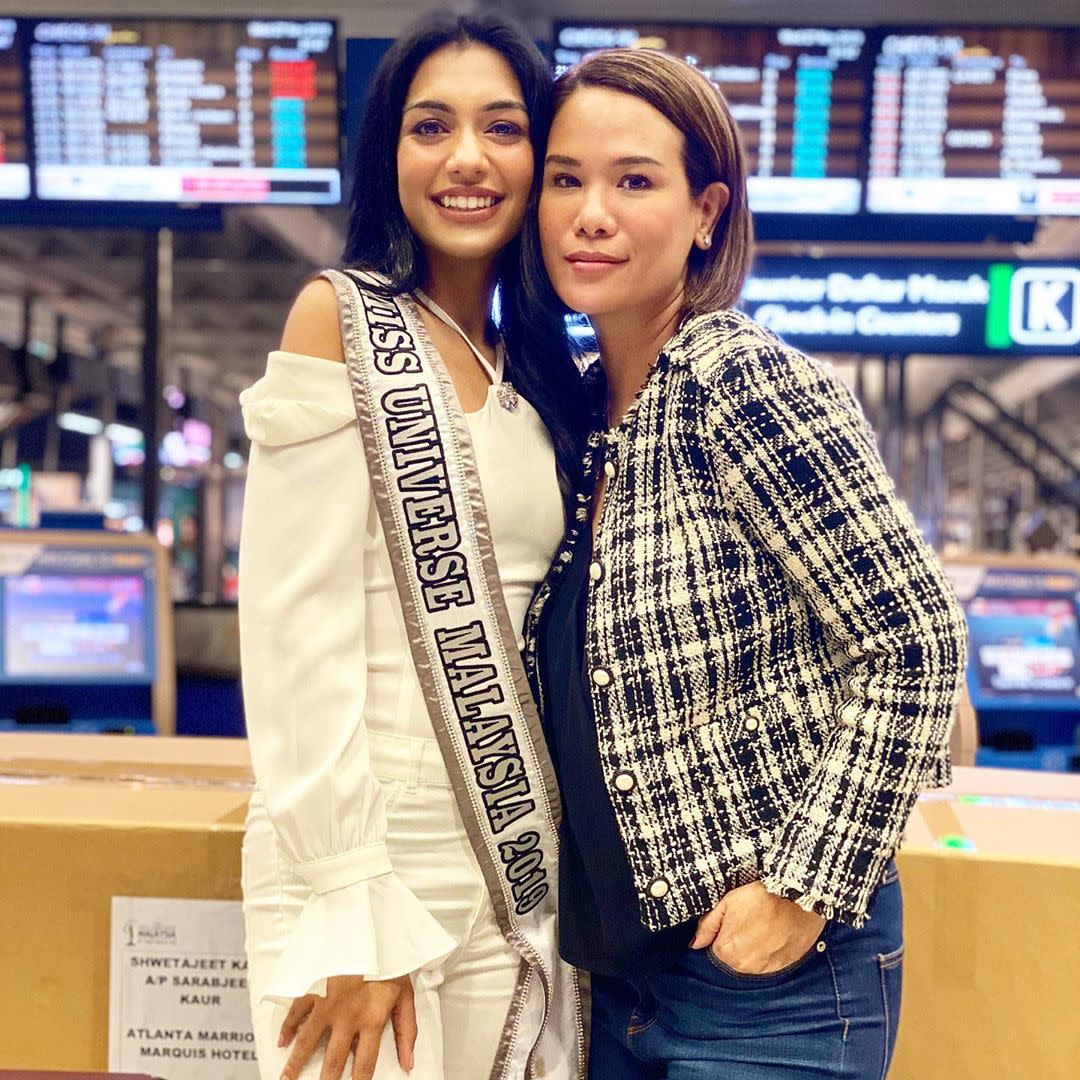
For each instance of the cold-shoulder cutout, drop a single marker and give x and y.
(313, 327)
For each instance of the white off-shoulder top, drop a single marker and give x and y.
(325, 657)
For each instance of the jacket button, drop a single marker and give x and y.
(609, 469)
(601, 676)
(751, 723)
(821, 946)
(624, 781)
(659, 888)
(596, 571)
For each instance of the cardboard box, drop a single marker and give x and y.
(991, 879)
(83, 819)
(98, 756)
(27, 1074)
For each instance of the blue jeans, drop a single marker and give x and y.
(832, 1013)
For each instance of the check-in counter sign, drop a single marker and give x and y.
(1044, 306)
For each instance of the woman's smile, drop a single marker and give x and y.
(468, 205)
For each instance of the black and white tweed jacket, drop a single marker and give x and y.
(774, 651)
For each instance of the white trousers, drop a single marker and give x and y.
(461, 1006)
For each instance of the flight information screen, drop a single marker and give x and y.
(797, 93)
(185, 111)
(14, 170)
(976, 121)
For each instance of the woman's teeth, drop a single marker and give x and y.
(466, 202)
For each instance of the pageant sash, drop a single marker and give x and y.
(425, 484)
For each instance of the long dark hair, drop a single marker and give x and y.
(540, 363)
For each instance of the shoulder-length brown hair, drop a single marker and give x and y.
(712, 150)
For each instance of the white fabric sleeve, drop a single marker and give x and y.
(302, 622)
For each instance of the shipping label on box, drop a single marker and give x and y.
(178, 994)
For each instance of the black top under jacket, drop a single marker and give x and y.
(600, 926)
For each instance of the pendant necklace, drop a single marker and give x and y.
(504, 391)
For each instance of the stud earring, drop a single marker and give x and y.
(706, 240)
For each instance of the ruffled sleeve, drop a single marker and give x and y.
(302, 618)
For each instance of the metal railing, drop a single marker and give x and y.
(1054, 471)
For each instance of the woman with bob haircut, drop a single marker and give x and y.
(746, 655)
(403, 501)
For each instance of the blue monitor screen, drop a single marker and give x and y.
(69, 626)
(1025, 647)
(78, 617)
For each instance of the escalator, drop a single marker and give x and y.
(1055, 472)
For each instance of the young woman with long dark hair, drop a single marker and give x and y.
(403, 500)
(746, 654)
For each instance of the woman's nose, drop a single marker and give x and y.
(467, 162)
(594, 216)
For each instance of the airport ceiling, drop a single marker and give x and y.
(230, 291)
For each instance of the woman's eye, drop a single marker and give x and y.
(564, 180)
(635, 182)
(505, 128)
(429, 127)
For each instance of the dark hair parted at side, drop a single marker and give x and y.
(712, 151)
(379, 238)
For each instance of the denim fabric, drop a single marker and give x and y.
(833, 1013)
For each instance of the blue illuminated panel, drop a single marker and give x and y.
(78, 616)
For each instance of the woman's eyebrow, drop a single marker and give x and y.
(573, 163)
(431, 105)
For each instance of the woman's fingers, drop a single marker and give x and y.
(296, 1015)
(367, 1053)
(337, 1053)
(708, 927)
(353, 1015)
(404, 1020)
(307, 1039)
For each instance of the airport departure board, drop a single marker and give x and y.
(976, 121)
(185, 110)
(14, 170)
(798, 95)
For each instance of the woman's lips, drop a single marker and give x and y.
(452, 213)
(593, 263)
(465, 213)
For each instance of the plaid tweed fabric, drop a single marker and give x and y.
(775, 652)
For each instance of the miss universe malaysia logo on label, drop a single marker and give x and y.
(138, 934)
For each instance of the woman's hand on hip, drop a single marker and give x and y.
(756, 933)
(352, 1016)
